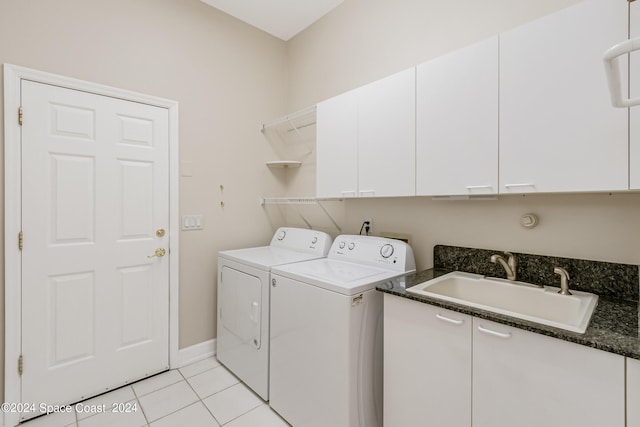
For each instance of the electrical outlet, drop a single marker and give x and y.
(370, 229)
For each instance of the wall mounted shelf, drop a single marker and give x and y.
(293, 122)
(293, 136)
(283, 164)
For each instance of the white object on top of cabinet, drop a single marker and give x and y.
(457, 122)
(366, 140)
(633, 392)
(558, 130)
(634, 113)
(525, 379)
(427, 365)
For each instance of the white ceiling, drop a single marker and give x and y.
(281, 18)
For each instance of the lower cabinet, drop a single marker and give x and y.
(427, 365)
(633, 393)
(443, 368)
(525, 379)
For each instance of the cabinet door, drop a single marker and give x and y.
(634, 128)
(337, 147)
(633, 393)
(530, 380)
(386, 136)
(427, 365)
(558, 130)
(457, 122)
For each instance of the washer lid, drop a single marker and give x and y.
(343, 277)
(265, 257)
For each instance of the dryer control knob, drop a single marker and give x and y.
(341, 245)
(314, 240)
(386, 251)
(351, 246)
(281, 235)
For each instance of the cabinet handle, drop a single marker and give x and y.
(612, 71)
(529, 184)
(446, 319)
(349, 193)
(368, 192)
(494, 333)
(477, 187)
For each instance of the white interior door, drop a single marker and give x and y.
(95, 196)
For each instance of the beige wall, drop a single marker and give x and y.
(228, 78)
(364, 40)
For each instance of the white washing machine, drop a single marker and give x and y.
(326, 333)
(243, 300)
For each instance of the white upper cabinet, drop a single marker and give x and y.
(558, 130)
(366, 140)
(634, 128)
(387, 136)
(337, 147)
(457, 122)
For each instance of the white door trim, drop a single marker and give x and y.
(12, 209)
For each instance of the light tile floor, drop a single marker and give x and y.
(203, 394)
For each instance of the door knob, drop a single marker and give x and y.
(160, 252)
(160, 232)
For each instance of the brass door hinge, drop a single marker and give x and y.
(20, 240)
(20, 115)
(20, 365)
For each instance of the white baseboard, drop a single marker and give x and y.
(196, 352)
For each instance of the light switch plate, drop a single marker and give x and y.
(192, 222)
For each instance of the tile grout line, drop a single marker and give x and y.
(140, 405)
(137, 397)
(186, 380)
(161, 388)
(199, 398)
(219, 391)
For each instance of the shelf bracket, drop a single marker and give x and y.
(294, 202)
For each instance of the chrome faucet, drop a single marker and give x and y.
(564, 280)
(509, 265)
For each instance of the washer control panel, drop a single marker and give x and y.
(303, 240)
(378, 251)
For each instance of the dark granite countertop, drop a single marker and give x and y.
(613, 327)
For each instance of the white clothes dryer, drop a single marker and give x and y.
(326, 333)
(243, 300)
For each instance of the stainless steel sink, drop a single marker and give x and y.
(536, 304)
